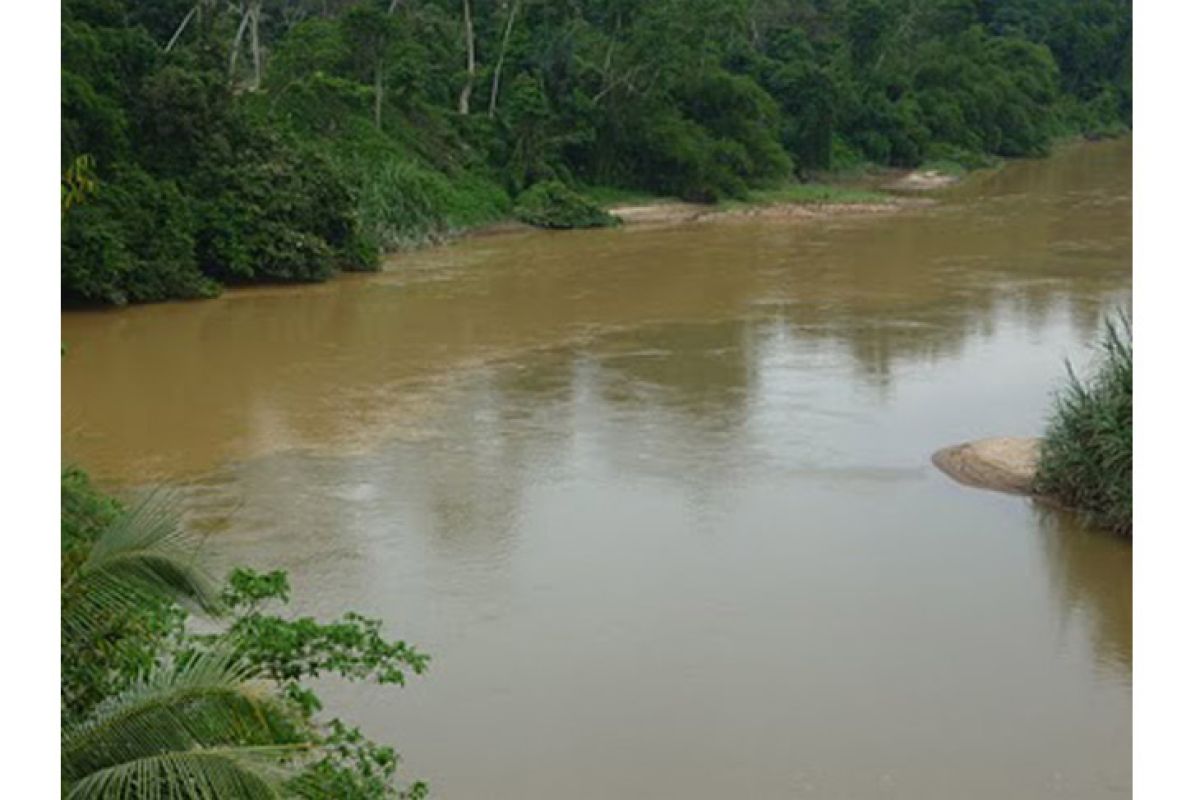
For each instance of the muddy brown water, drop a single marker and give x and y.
(659, 501)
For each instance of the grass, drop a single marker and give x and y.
(608, 196)
(944, 166)
(807, 194)
(786, 194)
(1087, 456)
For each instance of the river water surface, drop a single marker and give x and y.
(659, 501)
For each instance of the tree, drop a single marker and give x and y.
(513, 8)
(370, 35)
(191, 729)
(151, 709)
(464, 97)
(367, 105)
(251, 16)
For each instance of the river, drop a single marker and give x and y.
(658, 500)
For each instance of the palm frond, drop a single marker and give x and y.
(207, 702)
(215, 773)
(144, 554)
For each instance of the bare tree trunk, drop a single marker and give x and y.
(512, 15)
(237, 45)
(378, 94)
(464, 97)
(394, 5)
(182, 26)
(256, 11)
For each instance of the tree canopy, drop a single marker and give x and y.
(283, 140)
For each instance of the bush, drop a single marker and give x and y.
(550, 204)
(274, 211)
(1087, 456)
(132, 243)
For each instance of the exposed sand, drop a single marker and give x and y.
(1004, 464)
(923, 181)
(672, 213)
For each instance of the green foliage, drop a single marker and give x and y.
(102, 644)
(195, 729)
(1087, 455)
(527, 126)
(289, 650)
(550, 204)
(353, 142)
(152, 709)
(78, 182)
(810, 193)
(613, 195)
(954, 160)
(191, 190)
(132, 242)
(402, 203)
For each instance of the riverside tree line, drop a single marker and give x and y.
(238, 141)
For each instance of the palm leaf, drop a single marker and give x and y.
(216, 773)
(201, 726)
(143, 555)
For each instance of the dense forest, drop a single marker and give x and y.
(215, 142)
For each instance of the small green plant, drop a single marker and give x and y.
(78, 182)
(1087, 456)
(151, 708)
(607, 196)
(551, 204)
(809, 194)
(954, 160)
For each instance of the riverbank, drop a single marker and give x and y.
(883, 191)
(669, 213)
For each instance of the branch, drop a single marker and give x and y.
(237, 43)
(180, 29)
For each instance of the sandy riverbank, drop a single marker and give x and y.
(669, 213)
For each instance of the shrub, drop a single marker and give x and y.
(152, 706)
(131, 243)
(1087, 456)
(550, 204)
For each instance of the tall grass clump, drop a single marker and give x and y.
(1087, 455)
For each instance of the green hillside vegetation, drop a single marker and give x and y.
(285, 140)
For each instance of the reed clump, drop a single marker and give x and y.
(1086, 460)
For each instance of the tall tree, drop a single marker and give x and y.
(514, 8)
(371, 33)
(464, 97)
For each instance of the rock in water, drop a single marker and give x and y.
(1003, 463)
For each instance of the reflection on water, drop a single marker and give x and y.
(1090, 572)
(174, 390)
(659, 502)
